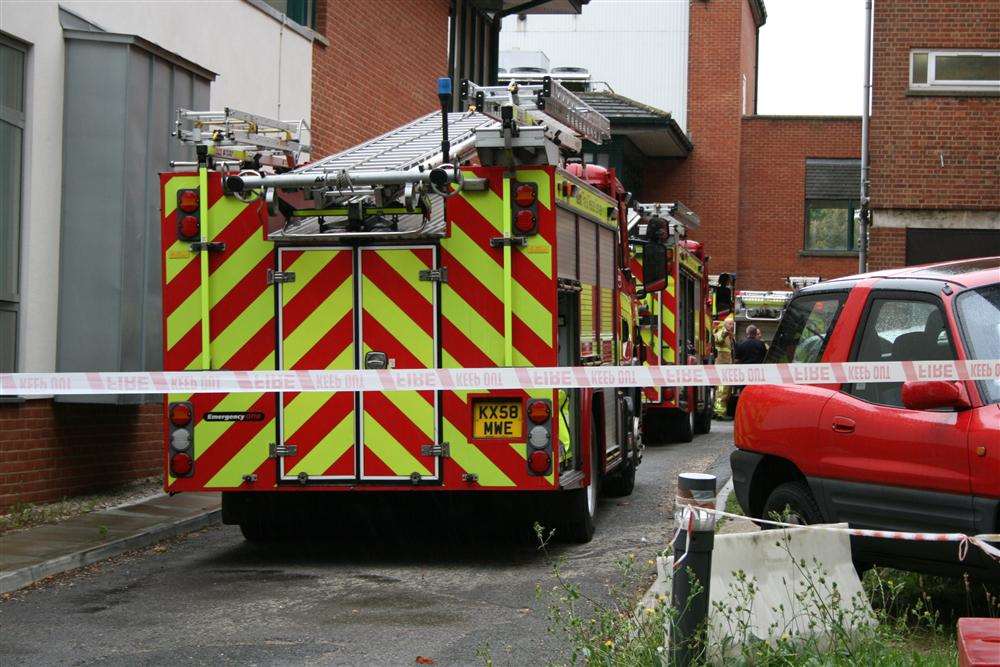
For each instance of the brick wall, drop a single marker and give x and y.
(50, 450)
(380, 69)
(932, 152)
(707, 180)
(771, 230)
(887, 248)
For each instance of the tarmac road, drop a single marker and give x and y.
(430, 590)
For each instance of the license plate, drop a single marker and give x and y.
(497, 419)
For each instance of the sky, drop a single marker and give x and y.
(811, 57)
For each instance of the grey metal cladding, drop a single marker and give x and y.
(833, 179)
(120, 93)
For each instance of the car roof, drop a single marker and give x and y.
(964, 272)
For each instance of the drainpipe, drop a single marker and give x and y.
(865, 107)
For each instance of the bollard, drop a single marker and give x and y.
(692, 565)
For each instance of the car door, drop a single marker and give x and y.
(886, 466)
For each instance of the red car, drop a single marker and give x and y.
(913, 456)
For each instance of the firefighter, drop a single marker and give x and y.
(724, 342)
(723, 296)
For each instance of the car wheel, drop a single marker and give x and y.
(792, 502)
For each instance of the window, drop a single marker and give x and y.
(832, 224)
(955, 71)
(900, 329)
(832, 214)
(805, 328)
(11, 158)
(979, 315)
(302, 12)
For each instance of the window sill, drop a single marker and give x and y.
(943, 92)
(828, 253)
(302, 30)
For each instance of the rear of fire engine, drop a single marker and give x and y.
(456, 241)
(674, 320)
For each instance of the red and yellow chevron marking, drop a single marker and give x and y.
(472, 318)
(397, 318)
(317, 332)
(241, 329)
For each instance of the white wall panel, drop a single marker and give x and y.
(640, 47)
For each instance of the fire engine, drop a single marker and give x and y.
(674, 322)
(460, 240)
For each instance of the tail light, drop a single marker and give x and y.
(189, 228)
(539, 412)
(180, 449)
(188, 215)
(187, 201)
(524, 196)
(539, 462)
(525, 207)
(181, 464)
(525, 221)
(668, 393)
(180, 414)
(539, 449)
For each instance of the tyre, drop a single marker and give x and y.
(579, 509)
(793, 503)
(256, 531)
(679, 426)
(622, 481)
(703, 420)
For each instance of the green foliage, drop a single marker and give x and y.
(906, 628)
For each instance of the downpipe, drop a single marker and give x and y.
(865, 120)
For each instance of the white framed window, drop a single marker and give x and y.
(955, 70)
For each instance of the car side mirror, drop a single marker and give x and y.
(934, 395)
(654, 266)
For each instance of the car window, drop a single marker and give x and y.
(979, 314)
(805, 329)
(900, 329)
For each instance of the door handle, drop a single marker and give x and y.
(843, 425)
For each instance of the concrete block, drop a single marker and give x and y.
(787, 578)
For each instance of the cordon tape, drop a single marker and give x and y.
(458, 379)
(692, 509)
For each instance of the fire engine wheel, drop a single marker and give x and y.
(703, 419)
(622, 481)
(678, 426)
(792, 502)
(257, 530)
(580, 508)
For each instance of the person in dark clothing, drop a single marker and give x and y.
(751, 350)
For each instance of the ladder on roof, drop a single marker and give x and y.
(234, 136)
(678, 217)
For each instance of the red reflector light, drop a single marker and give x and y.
(668, 393)
(524, 221)
(180, 415)
(181, 464)
(538, 462)
(189, 201)
(539, 412)
(524, 195)
(190, 227)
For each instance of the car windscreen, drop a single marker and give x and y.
(979, 316)
(805, 328)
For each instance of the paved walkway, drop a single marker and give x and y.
(35, 553)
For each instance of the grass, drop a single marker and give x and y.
(913, 623)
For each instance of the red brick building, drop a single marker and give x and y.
(746, 176)
(935, 131)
